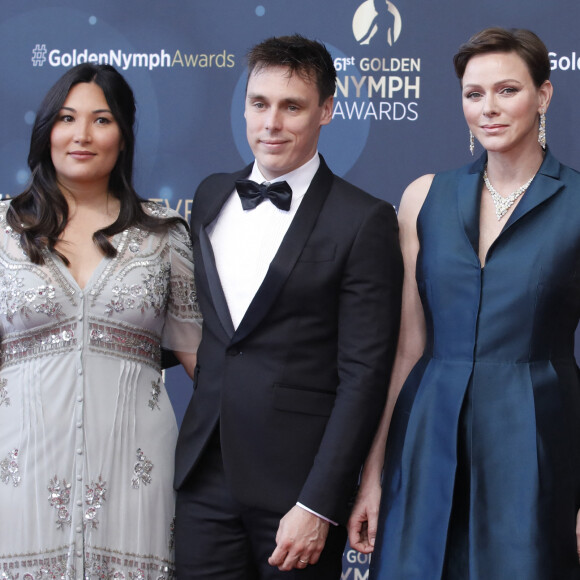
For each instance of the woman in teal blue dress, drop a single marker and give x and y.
(481, 474)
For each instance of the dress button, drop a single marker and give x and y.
(79, 478)
(79, 424)
(80, 399)
(79, 554)
(79, 502)
(80, 371)
(79, 451)
(79, 529)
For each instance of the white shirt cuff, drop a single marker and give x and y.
(318, 515)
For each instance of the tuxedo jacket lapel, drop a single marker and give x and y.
(216, 202)
(223, 190)
(217, 294)
(289, 251)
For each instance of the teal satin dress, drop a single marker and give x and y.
(482, 468)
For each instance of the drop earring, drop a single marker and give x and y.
(471, 142)
(542, 131)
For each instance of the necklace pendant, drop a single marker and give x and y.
(502, 204)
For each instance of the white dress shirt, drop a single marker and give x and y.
(245, 241)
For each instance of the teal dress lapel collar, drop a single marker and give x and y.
(546, 183)
(469, 201)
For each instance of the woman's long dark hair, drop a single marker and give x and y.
(40, 213)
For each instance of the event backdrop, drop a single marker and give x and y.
(397, 110)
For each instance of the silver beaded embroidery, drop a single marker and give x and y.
(51, 570)
(122, 340)
(128, 567)
(184, 293)
(108, 271)
(98, 565)
(51, 565)
(142, 470)
(151, 294)
(9, 470)
(95, 496)
(157, 254)
(155, 392)
(59, 499)
(100, 569)
(32, 344)
(51, 262)
(155, 209)
(15, 299)
(12, 299)
(4, 398)
(48, 306)
(136, 237)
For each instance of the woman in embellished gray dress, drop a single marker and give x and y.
(93, 282)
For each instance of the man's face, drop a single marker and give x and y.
(283, 119)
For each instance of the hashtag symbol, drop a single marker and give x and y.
(39, 55)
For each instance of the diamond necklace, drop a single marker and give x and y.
(502, 204)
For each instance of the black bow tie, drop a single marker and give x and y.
(253, 194)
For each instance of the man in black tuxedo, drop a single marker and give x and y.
(300, 288)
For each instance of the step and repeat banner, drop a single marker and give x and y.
(397, 111)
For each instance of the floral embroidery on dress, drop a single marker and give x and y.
(156, 286)
(184, 302)
(149, 294)
(59, 498)
(14, 298)
(50, 569)
(4, 398)
(155, 392)
(101, 569)
(95, 496)
(155, 209)
(142, 470)
(129, 567)
(9, 471)
(11, 295)
(48, 306)
(182, 237)
(136, 238)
